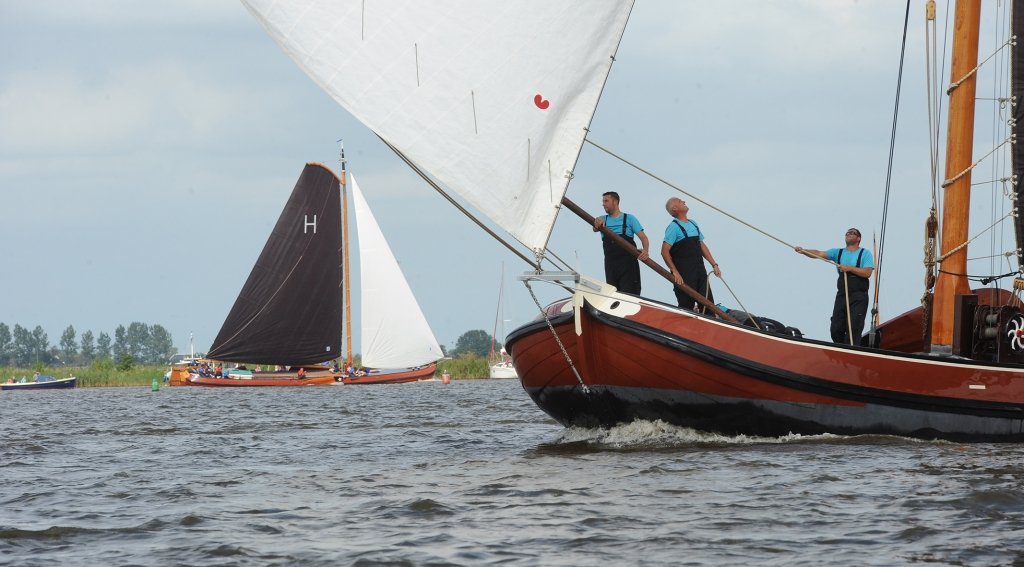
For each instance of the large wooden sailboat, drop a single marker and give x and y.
(505, 94)
(289, 313)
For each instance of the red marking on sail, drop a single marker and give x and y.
(540, 102)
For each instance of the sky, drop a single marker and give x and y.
(147, 149)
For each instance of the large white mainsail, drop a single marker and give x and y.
(489, 97)
(395, 334)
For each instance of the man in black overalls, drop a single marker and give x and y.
(855, 268)
(684, 253)
(621, 268)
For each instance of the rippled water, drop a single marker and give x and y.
(470, 473)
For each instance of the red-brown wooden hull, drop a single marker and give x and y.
(312, 379)
(425, 373)
(664, 363)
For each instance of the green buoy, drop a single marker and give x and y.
(156, 384)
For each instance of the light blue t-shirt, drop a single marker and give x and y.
(844, 257)
(615, 225)
(673, 233)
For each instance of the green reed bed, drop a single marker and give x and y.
(464, 368)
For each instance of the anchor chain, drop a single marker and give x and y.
(565, 353)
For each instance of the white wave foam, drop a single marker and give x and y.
(660, 433)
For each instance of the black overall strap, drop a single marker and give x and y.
(694, 223)
(683, 228)
(622, 231)
(859, 256)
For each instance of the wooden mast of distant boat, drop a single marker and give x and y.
(347, 300)
(952, 279)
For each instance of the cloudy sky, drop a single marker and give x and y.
(146, 150)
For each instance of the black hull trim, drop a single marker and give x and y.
(607, 406)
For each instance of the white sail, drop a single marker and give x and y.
(489, 97)
(395, 334)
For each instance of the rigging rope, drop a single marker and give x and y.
(1006, 254)
(997, 131)
(982, 279)
(564, 266)
(971, 73)
(888, 172)
(698, 199)
(955, 178)
(685, 192)
(565, 353)
(749, 314)
(457, 205)
(963, 244)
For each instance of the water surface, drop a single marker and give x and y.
(471, 473)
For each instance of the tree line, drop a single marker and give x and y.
(473, 343)
(136, 343)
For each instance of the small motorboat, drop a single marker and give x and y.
(42, 382)
(503, 370)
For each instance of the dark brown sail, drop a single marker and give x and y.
(1017, 92)
(289, 310)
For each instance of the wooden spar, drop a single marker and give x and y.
(344, 246)
(699, 298)
(875, 319)
(952, 280)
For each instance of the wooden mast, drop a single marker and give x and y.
(952, 280)
(347, 285)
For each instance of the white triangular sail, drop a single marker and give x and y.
(489, 97)
(395, 334)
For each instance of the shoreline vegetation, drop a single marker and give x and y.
(105, 374)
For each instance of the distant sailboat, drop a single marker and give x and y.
(395, 333)
(288, 313)
(500, 363)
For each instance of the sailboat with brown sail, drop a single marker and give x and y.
(524, 79)
(288, 314)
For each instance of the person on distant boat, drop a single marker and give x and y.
(684, 252)
(302, 373)
(621, 268)
(217, 371)
(855, 268)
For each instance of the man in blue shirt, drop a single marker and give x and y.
(684, 253)
(621, 267)
(855, 268)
